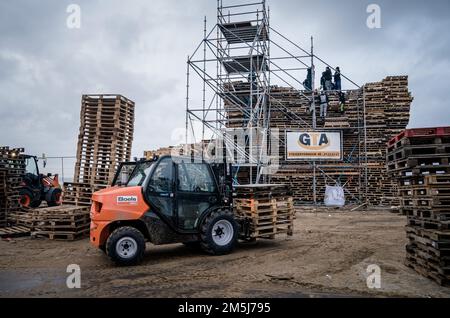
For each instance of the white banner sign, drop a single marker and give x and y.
(314, 145)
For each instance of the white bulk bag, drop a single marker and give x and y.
(334, 196)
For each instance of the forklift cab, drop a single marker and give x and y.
(179, 189)
(32, 172)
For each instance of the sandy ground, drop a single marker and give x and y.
(327, 257)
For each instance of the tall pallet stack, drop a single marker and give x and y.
(267, 210)
(105, 140)
(387, 105)
(419, 160)
(12, 168)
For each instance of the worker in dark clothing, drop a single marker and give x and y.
(337, 79)
(308, 81)
(328, 79)
(342, 102)
(322, 81)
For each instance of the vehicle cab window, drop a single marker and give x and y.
(31, 166)
(195, 177)
(196, 193)
(160, 187)
(162, 178)
(139, 174)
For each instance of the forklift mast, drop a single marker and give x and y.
(224, 178)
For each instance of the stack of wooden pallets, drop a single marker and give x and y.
(12, 169)
(3, 198)
(105, 140)
(419, 160)
(387, 111)
(267, 210)
(414, 154)
(21, 217)
(61, 223)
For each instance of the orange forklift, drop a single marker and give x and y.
(165, 200)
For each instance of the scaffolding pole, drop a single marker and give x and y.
(313, 103)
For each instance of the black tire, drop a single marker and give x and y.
(53, 197)
(126, 233)
(30, 202)
(35, 204)
(208, 243)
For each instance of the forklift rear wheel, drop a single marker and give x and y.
(53, 197)
(26, 199)
(219, 233)
(126, 246)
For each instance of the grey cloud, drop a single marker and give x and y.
(138, 49)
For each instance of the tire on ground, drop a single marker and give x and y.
(53, 197)
(27, 199)
(116, 246)
(208, 243)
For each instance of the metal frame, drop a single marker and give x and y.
(226, 56)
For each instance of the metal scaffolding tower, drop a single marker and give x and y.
(238, 63)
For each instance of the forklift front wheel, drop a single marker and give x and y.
(126, 246)
(219, 233)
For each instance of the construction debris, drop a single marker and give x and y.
(267, 210)
(105, 140)
(12, 168)
(419, 160)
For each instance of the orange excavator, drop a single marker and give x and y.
(36, 187)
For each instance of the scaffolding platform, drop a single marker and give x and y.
(243, 32)
(246, 64)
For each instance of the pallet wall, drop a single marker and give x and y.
(387, 105)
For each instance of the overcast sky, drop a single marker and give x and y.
(138, 48)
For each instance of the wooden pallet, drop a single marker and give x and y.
(266, 218)
(61, 236)
(428, 214)
(420, 133)
(434, 235)
(427, 272)
(21, 218)
(430, 151)
(61, 223)
(432, 224)
(14, 231)
(78, 194)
